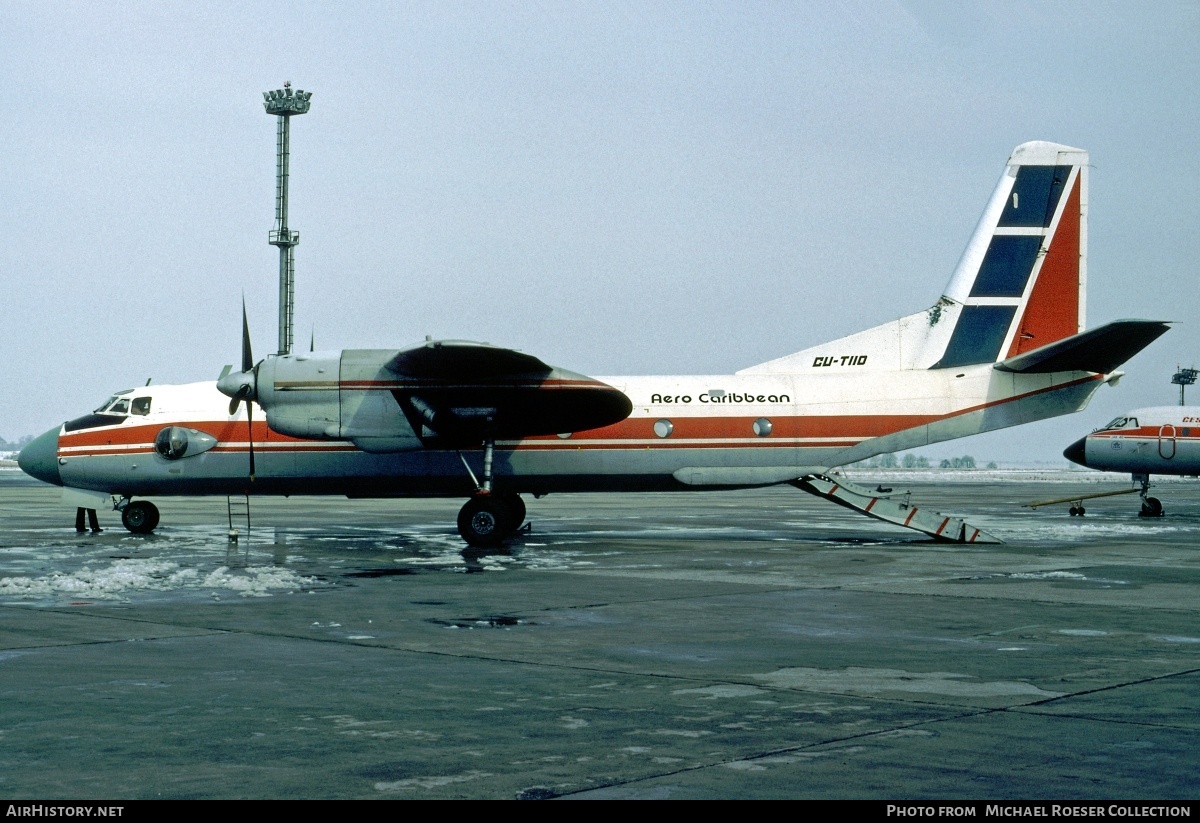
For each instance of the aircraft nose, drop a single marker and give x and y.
(1076, 452)
(39, 458)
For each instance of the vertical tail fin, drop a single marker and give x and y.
(1020, 284)
(1022, 280)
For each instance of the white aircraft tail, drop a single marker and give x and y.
(1020, 285)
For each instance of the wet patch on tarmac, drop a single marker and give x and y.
(371, 573)
(1061, 579)
(857, 680)
(496, 621)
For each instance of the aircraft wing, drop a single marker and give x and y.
(1100, 350)
(457, 391)
(457, 359)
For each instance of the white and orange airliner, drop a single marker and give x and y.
(1004, 344)
(1143, 442)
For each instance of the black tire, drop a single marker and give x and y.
(483, 521)
(1152, 507)
(1082, 511)
(140, 517)
(514, 508)
(1074, 511)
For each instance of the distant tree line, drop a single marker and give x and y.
(6, 445)
(916, 461)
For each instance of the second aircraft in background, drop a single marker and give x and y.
(1144, 442)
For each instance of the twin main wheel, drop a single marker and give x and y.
(486, 519)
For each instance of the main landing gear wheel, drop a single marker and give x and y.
(140, 517)
(514, 508)
(484, 521)
(1151, 507)
(487, 519)
(1078, 511)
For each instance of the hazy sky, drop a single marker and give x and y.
(618, 188)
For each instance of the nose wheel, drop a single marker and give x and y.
(140, 517)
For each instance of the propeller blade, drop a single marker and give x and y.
(250, 429)
(247, 354)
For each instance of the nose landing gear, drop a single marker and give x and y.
(140, 517)
(1151, 506)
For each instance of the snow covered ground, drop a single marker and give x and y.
(44, 562)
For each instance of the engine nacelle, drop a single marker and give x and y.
(335, 396)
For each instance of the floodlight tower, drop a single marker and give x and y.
(1184, 377)
(284, 103)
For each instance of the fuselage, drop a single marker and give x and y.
(1155, 440)
(684, 432)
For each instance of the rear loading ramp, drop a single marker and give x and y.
(893, 507)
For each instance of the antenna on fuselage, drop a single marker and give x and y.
(284, 103)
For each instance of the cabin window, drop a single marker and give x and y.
(141, 405)
(762, 427)
(663, 428)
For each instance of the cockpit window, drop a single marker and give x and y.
(104, 406)
(1121, 423)
(141, 405)
(116, 404)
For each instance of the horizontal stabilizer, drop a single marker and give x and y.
(1100, 350)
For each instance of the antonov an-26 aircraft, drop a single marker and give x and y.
(1004, 345)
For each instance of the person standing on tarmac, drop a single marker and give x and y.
(92, 520)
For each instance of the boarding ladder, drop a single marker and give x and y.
(239, 511)
(893, 507)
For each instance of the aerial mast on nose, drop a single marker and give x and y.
(284, 103)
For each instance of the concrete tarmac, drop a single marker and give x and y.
(757, 644)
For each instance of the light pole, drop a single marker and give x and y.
(1184, 377)
(284, 103)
